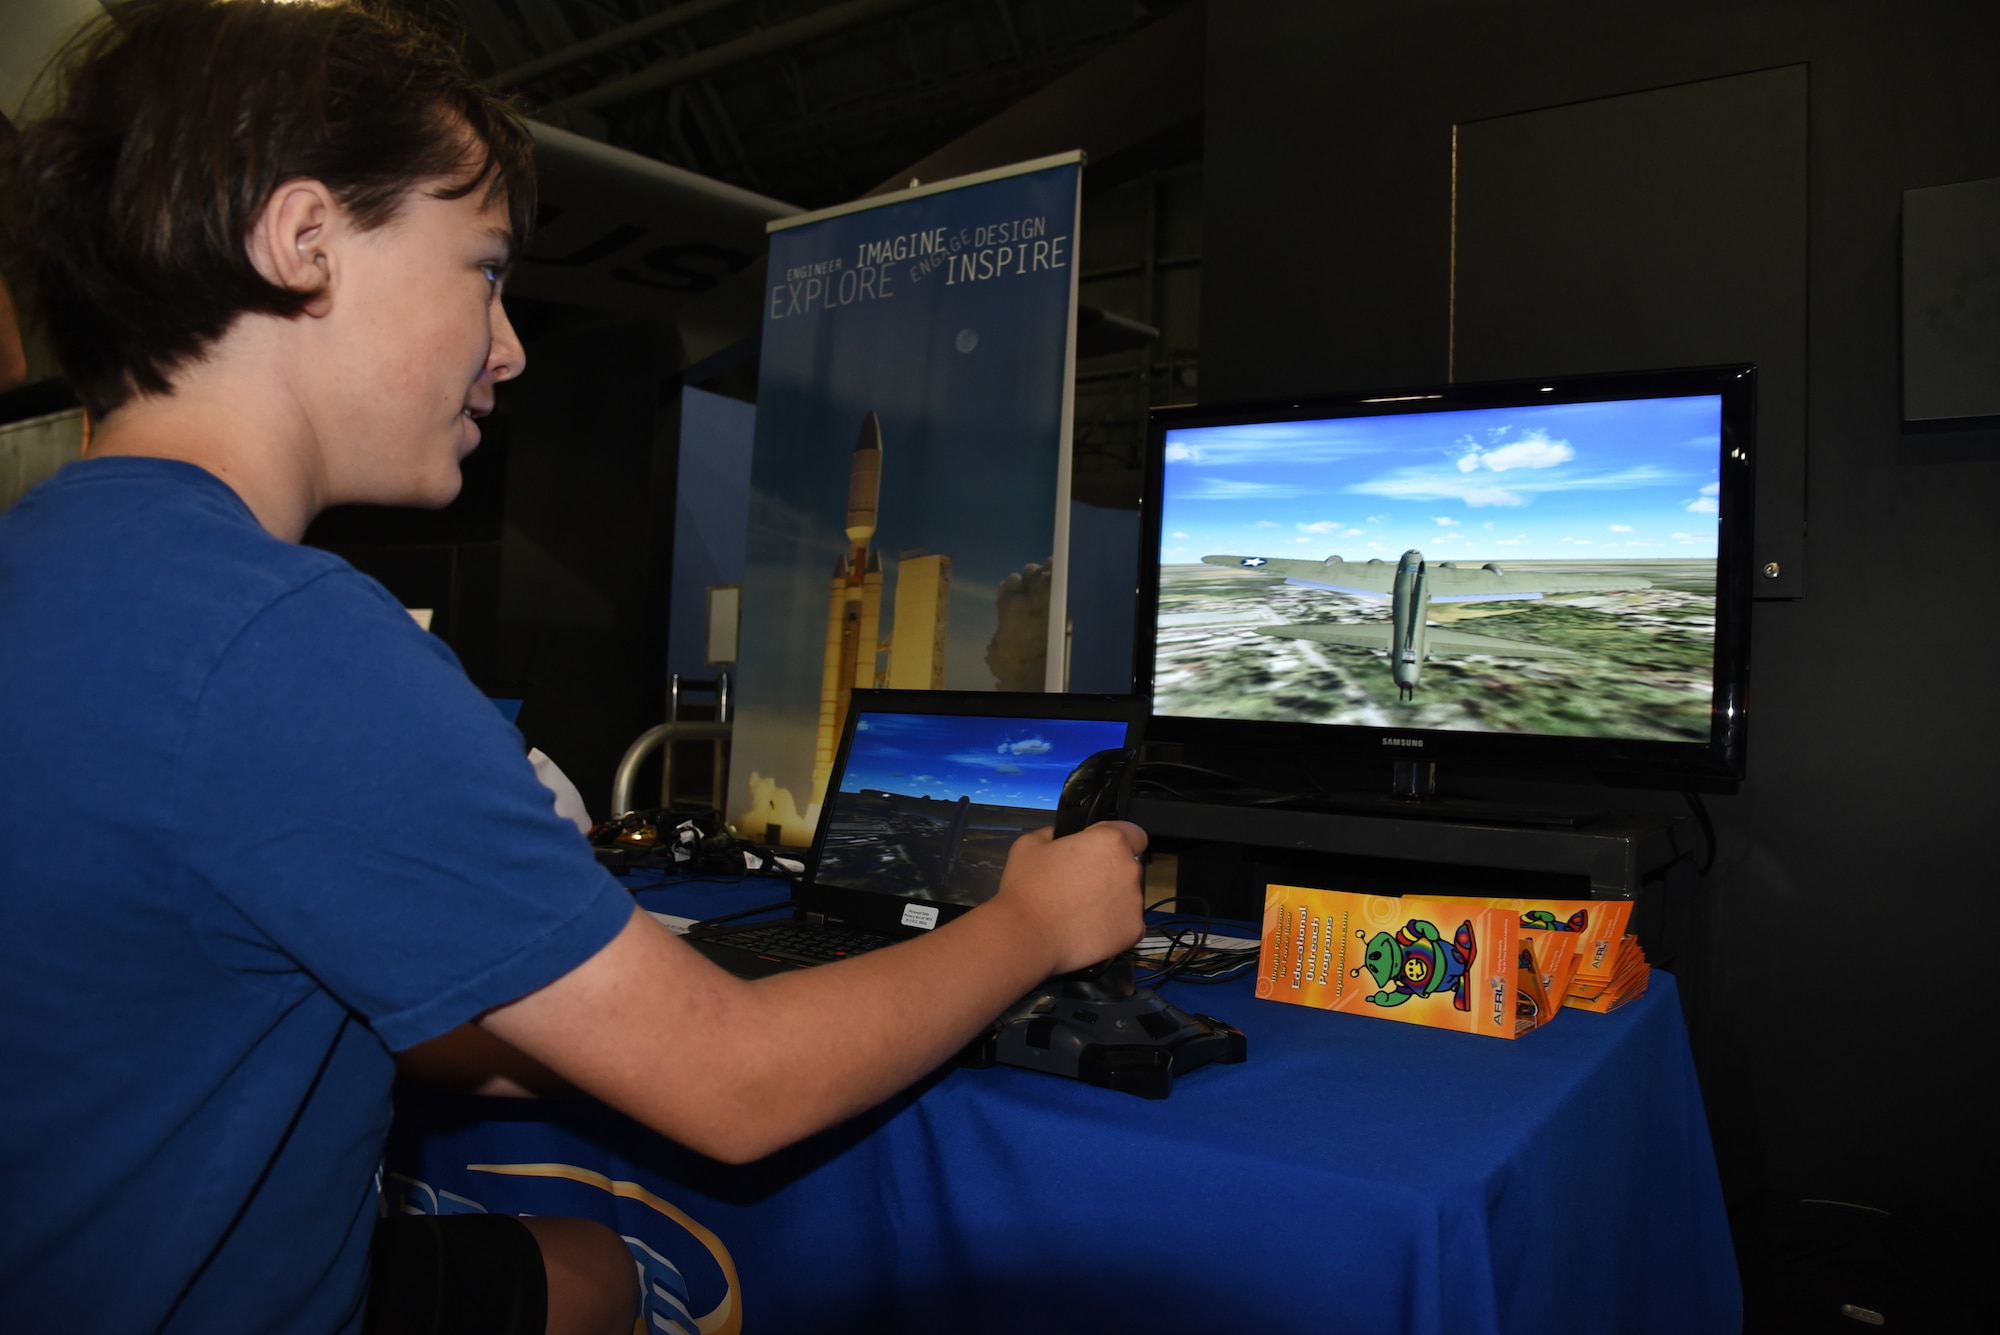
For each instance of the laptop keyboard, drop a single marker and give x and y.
(796, 944)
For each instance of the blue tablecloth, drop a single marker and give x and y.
(1353, 1175)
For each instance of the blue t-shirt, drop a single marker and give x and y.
(259, 832)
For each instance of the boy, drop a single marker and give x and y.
(262, 833)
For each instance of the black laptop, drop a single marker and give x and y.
(928, 792)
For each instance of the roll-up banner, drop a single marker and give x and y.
(909, 488)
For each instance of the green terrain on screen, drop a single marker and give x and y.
(1643, 671)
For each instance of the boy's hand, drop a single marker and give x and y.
(1081, 896)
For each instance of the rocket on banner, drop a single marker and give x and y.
(913, 436)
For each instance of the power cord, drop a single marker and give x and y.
(1191, 936)
(1700, 809)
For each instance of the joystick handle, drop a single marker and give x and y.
(1095, 791)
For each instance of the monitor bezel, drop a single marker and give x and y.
(1714, 765)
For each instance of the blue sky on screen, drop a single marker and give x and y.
(1001, 761)
(1622, 480)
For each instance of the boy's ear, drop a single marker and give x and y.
(290, 243)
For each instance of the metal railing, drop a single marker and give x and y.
(662, 737)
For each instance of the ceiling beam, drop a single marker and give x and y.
(768, 41)
(664, 21)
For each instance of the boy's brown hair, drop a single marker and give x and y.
(171, 124)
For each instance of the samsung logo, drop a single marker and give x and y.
(1401, 741)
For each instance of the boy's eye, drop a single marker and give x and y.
(494, 273)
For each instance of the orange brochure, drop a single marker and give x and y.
(1627, 984)
(1532, 1006)
(1555, 957)
(1629, 959)
(1596, 925)
(1441, 965)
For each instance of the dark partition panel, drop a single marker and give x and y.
(1661, 228)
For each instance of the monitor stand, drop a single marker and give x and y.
(1413, 794)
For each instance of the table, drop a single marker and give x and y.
(1353, 1175)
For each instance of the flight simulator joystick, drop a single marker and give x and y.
(1097, 1025)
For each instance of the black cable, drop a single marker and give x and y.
(1237, 970)
(1155, 786)
(1234, 791)
(1176, 930)
(1171, 934)
(1700, 809)
(740, 913)
(1229, 779)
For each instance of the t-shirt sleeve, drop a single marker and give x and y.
(357, 801)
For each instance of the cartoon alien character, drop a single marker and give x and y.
(1417, 962)
(1541, 920)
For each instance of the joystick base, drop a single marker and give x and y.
(1135, 1044)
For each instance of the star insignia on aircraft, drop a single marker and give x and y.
(1254, 560)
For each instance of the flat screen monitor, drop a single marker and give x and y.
(1547, 574)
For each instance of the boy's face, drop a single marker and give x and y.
(417, 342)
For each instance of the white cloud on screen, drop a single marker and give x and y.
(1621, 528)
(1231, 489)
(1296, 442)
(1536, 451)
(1265, 523)
(1703, 505)
(999, 763)
(1323, 526)
(1447, 522)
(1448, 483)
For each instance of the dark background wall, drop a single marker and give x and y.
(550, 575)
(1839, 1003)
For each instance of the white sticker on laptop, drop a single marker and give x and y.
(920, 915)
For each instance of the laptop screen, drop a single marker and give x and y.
(929, 804)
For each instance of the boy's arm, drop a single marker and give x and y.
(468, 1060)
(737, 1069)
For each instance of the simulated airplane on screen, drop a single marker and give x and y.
(1411, 585)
